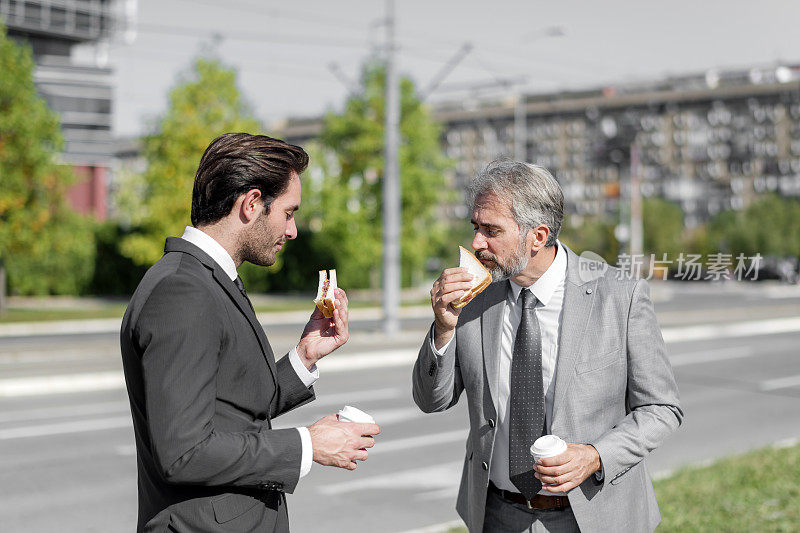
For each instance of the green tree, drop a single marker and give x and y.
(203, 105)
(347, 216)
(593, 235)
(662, 222)
(770, 225)
(44, 247)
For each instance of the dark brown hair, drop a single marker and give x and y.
(235, 163)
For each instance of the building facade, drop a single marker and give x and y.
(709, 142)
(79, 91)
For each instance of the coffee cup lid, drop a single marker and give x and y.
(353, 414)
(548, 445)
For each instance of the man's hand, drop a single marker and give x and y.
(564, 472)
(323, 335)
(451, 285)
(341, 443)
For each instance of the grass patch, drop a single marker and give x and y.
(757, 491)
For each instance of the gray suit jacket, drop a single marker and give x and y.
(203, 386)
(614, 389)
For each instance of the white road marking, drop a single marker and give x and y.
(374, 359)
(736, 329)
(437, 528)
(779, 383)
(78, 426)
(64, 411)
(422, 440)
(708, 356)
(430, 477)
(343, 398)
(96, 381)
(60, 384)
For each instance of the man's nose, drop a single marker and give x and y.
(291, 229)
(478, 242)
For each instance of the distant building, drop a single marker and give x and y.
(80, 91)
(708, 142)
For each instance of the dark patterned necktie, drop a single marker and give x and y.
(527, 398)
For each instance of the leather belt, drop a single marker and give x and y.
(539, 501)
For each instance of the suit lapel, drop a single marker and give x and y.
(491, 326)
(575, 316)
(247, 310)
(175, 244)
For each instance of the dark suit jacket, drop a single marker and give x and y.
(203, 386)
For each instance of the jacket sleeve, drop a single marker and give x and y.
(653, 408)
(292, 392)
(436, 380)
(180, 336)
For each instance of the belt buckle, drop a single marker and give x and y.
(529, 504)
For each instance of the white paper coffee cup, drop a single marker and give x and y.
(349, 413)
(548, 446)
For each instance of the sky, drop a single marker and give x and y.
(298, 59)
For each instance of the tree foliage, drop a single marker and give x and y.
(770, 225)
(45, 247)
(662, 223)
(347, 212)
(202, 106)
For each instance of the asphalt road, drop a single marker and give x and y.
(67, 461)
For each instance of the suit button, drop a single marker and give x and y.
(491, 422)
(485, 465)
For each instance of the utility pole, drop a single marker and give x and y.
(637, 232)
(391, 186)
(520, 129)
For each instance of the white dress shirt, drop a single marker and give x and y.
(549, 291)
(214, 249)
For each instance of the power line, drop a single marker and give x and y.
(164, 29)
(282, 13)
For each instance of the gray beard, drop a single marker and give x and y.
(517, 263)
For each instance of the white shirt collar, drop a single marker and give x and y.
(207, 243)
(544, 287)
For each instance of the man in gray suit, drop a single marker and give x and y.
(555, 345)
(202, 379)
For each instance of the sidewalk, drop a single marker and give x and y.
(111, 325)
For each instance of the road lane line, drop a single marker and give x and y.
(736, 329)
(342, 398)
(79, 426)
(64, 411)
(437, 528)
(708, 356)
(429, 477)
(422, 440)
(779, 383)
(70, 383)
(65, 383)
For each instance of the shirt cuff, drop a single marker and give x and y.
(308, 451)
(599, 474)
(308, 377)
(438, 353)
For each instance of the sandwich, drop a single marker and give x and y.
(325, 300)
(482, 278)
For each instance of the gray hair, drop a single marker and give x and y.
(532, 193)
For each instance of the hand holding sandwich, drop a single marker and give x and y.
(454, 289)
(323, 335)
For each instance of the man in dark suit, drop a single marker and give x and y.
(202, 379)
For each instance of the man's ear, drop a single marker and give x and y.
(250, 205)
(538, 237)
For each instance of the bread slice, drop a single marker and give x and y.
(481, 280)
(325, 300)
